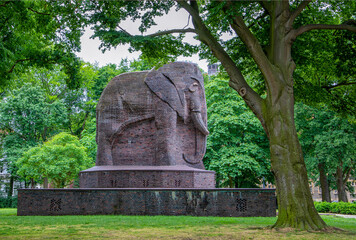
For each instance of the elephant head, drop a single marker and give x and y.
(181, 86)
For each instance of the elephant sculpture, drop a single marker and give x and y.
(153, 118)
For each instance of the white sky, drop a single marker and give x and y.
(90, 47)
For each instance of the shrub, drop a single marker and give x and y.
(8, 202)
(323, 207)
(338, 207)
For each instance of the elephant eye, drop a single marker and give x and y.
(193, 87)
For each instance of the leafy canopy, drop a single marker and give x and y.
(326, 139)
(39, 33)
(237, 147)
(27, 119)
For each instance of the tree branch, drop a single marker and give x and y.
(187, 22)
(296, 32)
(4, 22)
(266, 6)
(346, 174)
(166, 32)
(252, 44)
(32, 10)
(297, 11)
(237, 80)
(160, 33)
(5, 3)
(125, 31)
(338, 85)
(285, 5)
(16, 62)
(263, 15)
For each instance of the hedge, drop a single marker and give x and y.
(8, 202)
(336, 207)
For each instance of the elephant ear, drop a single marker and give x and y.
(161, 85)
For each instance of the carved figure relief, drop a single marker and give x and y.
(153, 118)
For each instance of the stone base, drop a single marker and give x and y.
(146, 177)
(195, 202)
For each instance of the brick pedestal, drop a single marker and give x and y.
(146, 177)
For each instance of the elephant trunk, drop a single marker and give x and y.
(198, 122)
(195, 113)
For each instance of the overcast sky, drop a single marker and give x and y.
(90, 47)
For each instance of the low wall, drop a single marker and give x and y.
(195, 202)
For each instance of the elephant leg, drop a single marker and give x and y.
(167, 148)
(104, 152)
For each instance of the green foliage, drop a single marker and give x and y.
(336, 207)
(237, 148)
(60, 160)
(88, 140)
(103, 77)
(78, 103)
(326, 59)
(39, 33)
(9, 202)
(27, 114)
(326, 138)
(26, 119)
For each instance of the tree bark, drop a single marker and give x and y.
(341, 188)
(324, 184)
(11, 187)
(231, 182)
(295, 203)
(32, 183)
(45, 183)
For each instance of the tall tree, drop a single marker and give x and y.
(237, 147)
(27, 119)
(329, 145)
(266, 30)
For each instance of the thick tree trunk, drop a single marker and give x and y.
(45, 183)
(231, 182)
(11, 187)
(341, 188)
(324, 184)
(295, 203)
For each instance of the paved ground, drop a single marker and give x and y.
(339, 215)
(345, 216)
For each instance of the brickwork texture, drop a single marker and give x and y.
(195, 202)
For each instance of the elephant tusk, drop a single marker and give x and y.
(198, 122)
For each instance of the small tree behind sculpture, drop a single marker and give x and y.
(59, 160)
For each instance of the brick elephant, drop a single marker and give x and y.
(153, 118)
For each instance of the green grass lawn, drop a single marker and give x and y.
(157, 227)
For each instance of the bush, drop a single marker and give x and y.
(323, 207)
(8, 202)
(338, 207)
